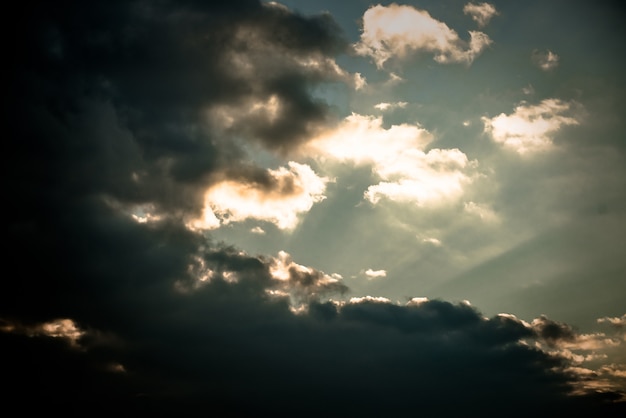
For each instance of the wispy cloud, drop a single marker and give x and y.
(545, 60)
(384, 106)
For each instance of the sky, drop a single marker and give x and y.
(315, 208)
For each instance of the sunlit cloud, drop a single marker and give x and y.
(618, 322)
(294, 191)
(395, 31)
(58, 328)
(299, 283)
(432, 241)
(530, 128)
(481, 13)
(384, 106)
(397, 156)
(258, 230)
(371, 299)
(375, 274)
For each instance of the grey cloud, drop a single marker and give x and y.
(107, 103)
(553, 331)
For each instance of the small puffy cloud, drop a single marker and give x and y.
(407, 172)
(545, 60)
(375, 274)
(369, 299)
(417, 301)
(302, 284)
(528, 90)
(395, 30)
(481, 13)
(280, 198)
(618, 322)
(432, 241)
(258, 230)
(530, 128)
(390, 106)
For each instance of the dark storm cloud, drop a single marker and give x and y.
(120, 94)
(107, 110)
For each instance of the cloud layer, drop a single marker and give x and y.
(129, 121)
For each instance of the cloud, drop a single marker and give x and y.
(545, 60)
(484, 213)
(111, 116)
(617, 322)
(481, 13)
(530, 128)
(384, 106)
(375, 274)
(302, 284)
(64, 328)
(280, 197)
(395, 30)
(407, 172)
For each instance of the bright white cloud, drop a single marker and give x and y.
(432, 241)
(530, 128)
(397, 157)
(417, 301)
(375, 274)
(294, 192)
(481, 13)
(364, 299)
(395, 30)
(390, 106)
(546, 60)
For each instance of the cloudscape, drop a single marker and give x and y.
(315, 208)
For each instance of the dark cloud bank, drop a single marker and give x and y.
(107, 110)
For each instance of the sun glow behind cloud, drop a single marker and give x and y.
(189, 182)
(296, 189)
(397, 154)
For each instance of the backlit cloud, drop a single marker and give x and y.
(397, 154)
(300, 283)
(397, 30)
(291, 192)
(530, 128)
